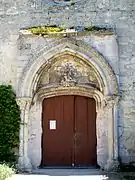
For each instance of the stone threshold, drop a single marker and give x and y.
(63, 171)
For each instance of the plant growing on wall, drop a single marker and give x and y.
(43, 30)
(9, 124)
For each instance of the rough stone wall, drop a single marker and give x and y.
(119, 15)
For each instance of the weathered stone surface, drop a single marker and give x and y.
(16, 51)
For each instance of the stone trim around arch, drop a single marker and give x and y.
(75, 47)
(107, 102)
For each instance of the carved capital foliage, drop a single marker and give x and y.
(111, 101)
(23, 103)
(114, 99)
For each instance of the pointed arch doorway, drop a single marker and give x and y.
(93, 77)
(69, 131)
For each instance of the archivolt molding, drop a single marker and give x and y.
(46, 92)
(29, 77)
(52, 91)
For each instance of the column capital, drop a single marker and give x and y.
(111, 100)
(23, 102)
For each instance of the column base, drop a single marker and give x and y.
(24, 164)
(112, 165)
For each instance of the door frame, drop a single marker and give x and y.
(73, 123)
(30, 104)
(107, 110)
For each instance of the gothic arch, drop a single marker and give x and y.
(74, 47)
(106, 96)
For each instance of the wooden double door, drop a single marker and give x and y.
(69, 131)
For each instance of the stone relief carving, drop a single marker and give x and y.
(60, 44)
(69, 71)
(23, 103)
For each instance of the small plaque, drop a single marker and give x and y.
(52, 124)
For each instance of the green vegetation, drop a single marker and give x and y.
(46, 30)
(9, 124)
(72, 3)
(94, 28)
(43, 30)
(6, 171)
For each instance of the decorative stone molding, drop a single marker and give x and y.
(37, 82)
(112, 106)
(111, 101)
(23, 161)
(78, 49)
(47, 92)
(23, 103)
(68, 70)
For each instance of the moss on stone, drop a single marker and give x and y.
(46, 30)
(94, 28)
(43, 30)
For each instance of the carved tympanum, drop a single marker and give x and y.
(69, 71)
(67, 74)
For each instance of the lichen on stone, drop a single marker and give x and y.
(43, 30)
(95, 28)
(55, 30)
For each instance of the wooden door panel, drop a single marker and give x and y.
(92, 139)
(50, 140)
(74, 139)
(85, 131)
(67, 130)
(81, 151)
(57, 144)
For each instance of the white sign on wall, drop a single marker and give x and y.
(52, 124)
